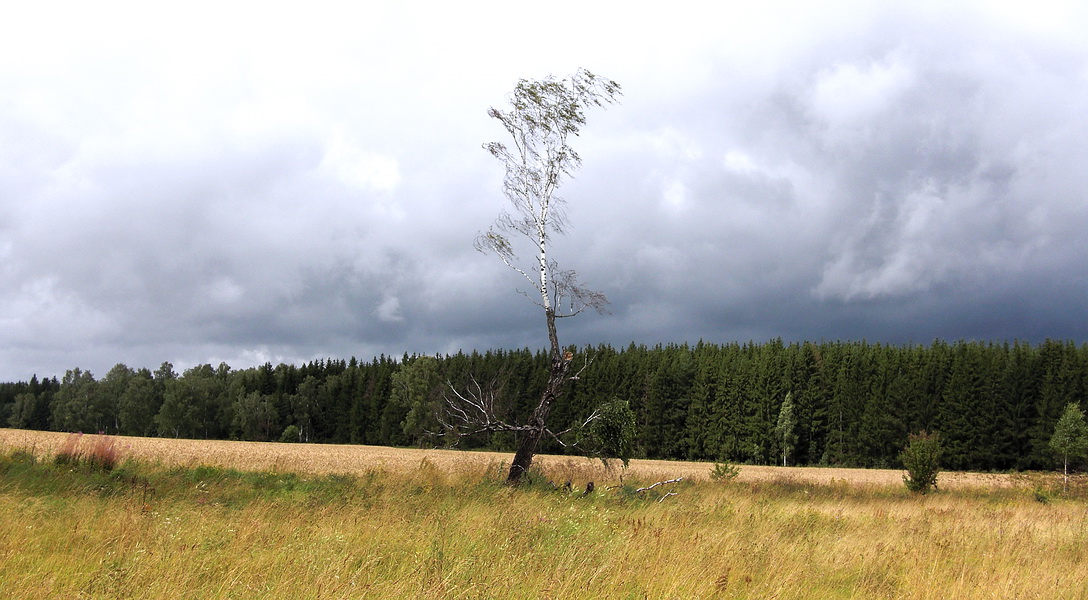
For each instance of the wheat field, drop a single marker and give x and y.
(440, 524)
(358, 459)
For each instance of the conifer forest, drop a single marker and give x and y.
(994, 405)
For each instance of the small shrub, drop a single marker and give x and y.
(724, 472)
(290, 434)
(610, 433)
(1041, 496)
(921, 458)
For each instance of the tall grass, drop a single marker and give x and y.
(146, 531)
(102, 453)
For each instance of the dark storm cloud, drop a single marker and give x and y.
(894, 173)
(900, 186)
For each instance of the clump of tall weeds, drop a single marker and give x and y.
(69, 451)
(103, 453)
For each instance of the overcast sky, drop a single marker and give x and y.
(263, 182)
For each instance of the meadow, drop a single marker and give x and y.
(193, 519)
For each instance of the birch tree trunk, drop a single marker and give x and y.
(538, 421)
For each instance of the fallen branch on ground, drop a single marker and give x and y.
(650, 487)
(677, 480)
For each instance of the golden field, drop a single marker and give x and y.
(353, 459)
(439, 524)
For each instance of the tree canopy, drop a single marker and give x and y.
(854, 402)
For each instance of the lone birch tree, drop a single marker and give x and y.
(786, 430)
(1070, 439)
(543, 116)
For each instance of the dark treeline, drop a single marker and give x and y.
(853, 403)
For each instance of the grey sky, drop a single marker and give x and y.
(250, 183)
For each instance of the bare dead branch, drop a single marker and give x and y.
(472, 411)
(592, 417)
(650, 487)
(587, 360)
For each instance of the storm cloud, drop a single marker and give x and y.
(247, 185)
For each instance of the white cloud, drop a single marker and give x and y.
(389, 310)
(675, 196)
(847, 93)
(225, 292)
(739, 161)
(362, 170)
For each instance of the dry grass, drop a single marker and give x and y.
(425, 524)
(426, 534)
(351, 459)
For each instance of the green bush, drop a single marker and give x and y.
(610, 433)
(290, 434)
(1041, 495)
(921, 458)
(724, 472)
